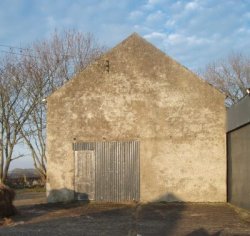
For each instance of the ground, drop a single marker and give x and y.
(38, 218)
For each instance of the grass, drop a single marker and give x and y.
(35, 189)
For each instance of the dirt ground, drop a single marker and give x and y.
(38, 218)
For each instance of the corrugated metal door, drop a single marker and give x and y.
(85, 175)
(117, 169)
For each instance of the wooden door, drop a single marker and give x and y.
(85, 175)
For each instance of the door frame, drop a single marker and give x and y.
(76, 158)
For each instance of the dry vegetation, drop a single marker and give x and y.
(7, 196)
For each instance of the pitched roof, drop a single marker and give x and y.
(131, 44)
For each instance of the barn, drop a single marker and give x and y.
(136, 125)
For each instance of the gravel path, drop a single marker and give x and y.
(125, 219)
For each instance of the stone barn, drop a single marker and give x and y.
(136, 125)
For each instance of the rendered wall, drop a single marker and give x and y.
(146, 96)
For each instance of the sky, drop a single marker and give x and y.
(193, 32)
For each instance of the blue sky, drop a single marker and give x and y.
(194, 32)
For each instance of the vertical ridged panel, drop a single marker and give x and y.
(117, 169)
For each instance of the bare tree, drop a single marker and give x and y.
(26, 79)
(230, 75)
(51, 63)
(16, 105)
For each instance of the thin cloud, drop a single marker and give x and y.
(155, 17)
(135, 15)
(212, 31)
(204, 29)
(192, 5)
(155, 35)
(151, 4)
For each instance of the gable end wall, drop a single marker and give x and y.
(178, 119)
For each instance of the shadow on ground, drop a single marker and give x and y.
(83, 218)
(203, 232)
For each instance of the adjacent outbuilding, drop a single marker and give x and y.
(136, 125)
(238, 150)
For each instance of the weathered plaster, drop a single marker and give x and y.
(178, 118)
